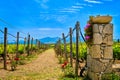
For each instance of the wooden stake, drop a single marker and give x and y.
(5, 48)
(64, 39)
(28, 50)
(24, 44)
(77, 47)
(17, 45)
(32, 43)
(71, 55)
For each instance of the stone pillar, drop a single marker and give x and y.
(100, 52)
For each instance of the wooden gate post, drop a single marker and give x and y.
(77, 47)
(5, 47)
(64, 39)
(71, 55)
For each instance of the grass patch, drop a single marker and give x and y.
(70, 78)
(27, 59)
(30, 76)
(111, 76)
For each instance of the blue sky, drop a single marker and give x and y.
(43, 18)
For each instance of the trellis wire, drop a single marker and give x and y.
(17, 37)
(78, 34)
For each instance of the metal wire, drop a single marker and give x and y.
(82, 35)
(1, 31)
(22, 37)
(74, 29)
(11, 35)
(67, 35)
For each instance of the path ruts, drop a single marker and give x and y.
(45, 67)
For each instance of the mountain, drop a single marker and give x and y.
(49, 40)
(43, 40)
(55, 39)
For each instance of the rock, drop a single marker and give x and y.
(105, 40)
(110, 40)
(95, 28)
(116, 66)
(108, 67)
(101, 29)
(108, 29)
(97, 38)
(89, 61)
(101, 19)
(96, 51)
(93, 75)
(104, 60)
(108, 52)
(97, 66)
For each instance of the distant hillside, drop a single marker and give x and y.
(48, 40)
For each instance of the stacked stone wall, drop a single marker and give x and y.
(100, 52)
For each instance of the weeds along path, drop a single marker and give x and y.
(45, 67)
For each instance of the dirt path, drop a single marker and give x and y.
(45, 67)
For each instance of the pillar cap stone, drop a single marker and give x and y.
(100, 19)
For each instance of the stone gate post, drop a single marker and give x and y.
(100, 52)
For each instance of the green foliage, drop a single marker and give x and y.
(21, 49)
(116, 51)
(82, 50)
(13, 65)
(34, 47)
(1, 50)
(86, 78)
(111, 76)
(68, 78)
(61, 59)
(69, 71)
(11, 48)
(22, 60)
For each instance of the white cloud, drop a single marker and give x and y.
(50, 29)
(93, 1)
(59, 18)
(70, 10)
(77, 7)
(83, 5)
(42, 3)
